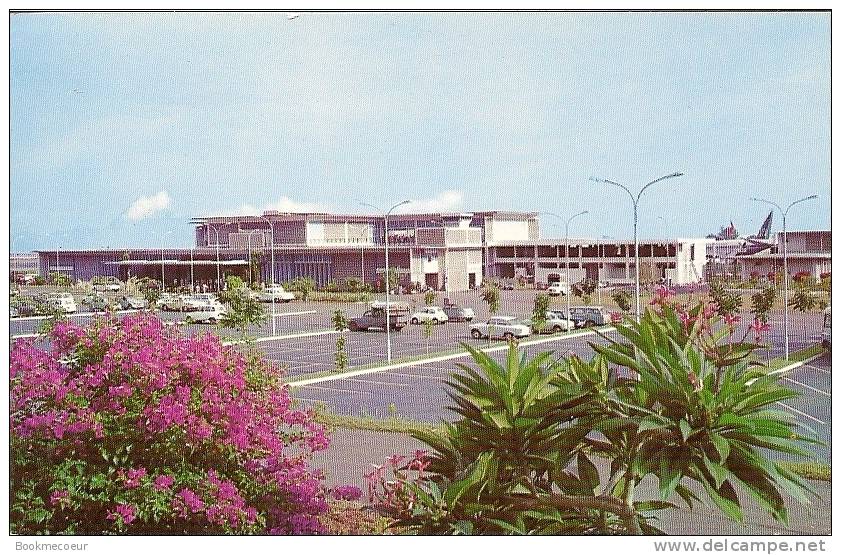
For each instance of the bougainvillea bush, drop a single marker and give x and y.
(128, 426)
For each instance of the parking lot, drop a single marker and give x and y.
(304, 342)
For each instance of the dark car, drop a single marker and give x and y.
(95, 303)
(376, 318)
(587, 316)
(459, 313)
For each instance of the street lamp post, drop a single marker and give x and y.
(218, 276)
(386, 275)
(192, 285)
(566, 254)
(635, 200)
(250, 233)
(785, 257)
(271, 227)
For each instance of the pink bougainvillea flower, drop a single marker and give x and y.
(164, 482)
(122, 511)
(759, 327)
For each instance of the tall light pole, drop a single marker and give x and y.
(635, 200)
(364, 236)
(785, 256)
(218, 276)
(250, 233)
(386, 275)
(566, 254)
(271, 227)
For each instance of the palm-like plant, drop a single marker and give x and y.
(677, 398)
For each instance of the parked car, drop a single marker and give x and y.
(209, 313)
(131, 303)
(96, 302)
(170, 302)
(25, 305)
(107, 284)
(192, 301)
(276, 293)
(556, 289)
(434, 314)
(459, 313)
(506, 327)
(555, 322)
(62, 301)
(375, 317)
(506, 286)
(586, 316)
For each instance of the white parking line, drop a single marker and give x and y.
(23, 335)
(279, 314)
(816, 390)
(378, 383)
(360, 372)
(425, 376)
(819, 369)
(803, 414)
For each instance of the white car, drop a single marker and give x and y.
(506, 327)
(189, 302)
(210, 313)
(109, 285)
(276, 293)
(170, 302)
(62, 301)
(434, 314)
(556, 289)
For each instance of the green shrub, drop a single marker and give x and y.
(676, 399)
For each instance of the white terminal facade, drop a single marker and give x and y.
(447, 251)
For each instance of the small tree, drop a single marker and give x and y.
(150, 289)
(538, 314)
(727, 303)
(60, 279)
(243, 309)
(428, 327)
(803, 301)
(622, 300)
(302, 285)
(584, 290)
(393, 278)
(340, 324)
(491, 296)
(429, 297)
(762, 302)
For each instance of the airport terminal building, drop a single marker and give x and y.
(446, 251)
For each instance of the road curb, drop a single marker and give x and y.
(395, 366)
(794, 365)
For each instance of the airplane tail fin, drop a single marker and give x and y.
(765, 230)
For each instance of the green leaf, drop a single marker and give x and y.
(587, 472)
(721, 445)
(685, 429)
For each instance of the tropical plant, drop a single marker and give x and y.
(762, 302)
(803, 301)
(490, 295)
(60, 279)
(429, 297)
(584, 290)
(243, 308)
(727, 303)
(126, 426)
(622, 300)
(538, 313)
(428, 329)
(340, 324)
(677, 399)
(303, 285)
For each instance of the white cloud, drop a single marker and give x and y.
(285, 204)
(144, 207)
(446, 201)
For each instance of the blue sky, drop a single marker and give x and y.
(124, 126)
